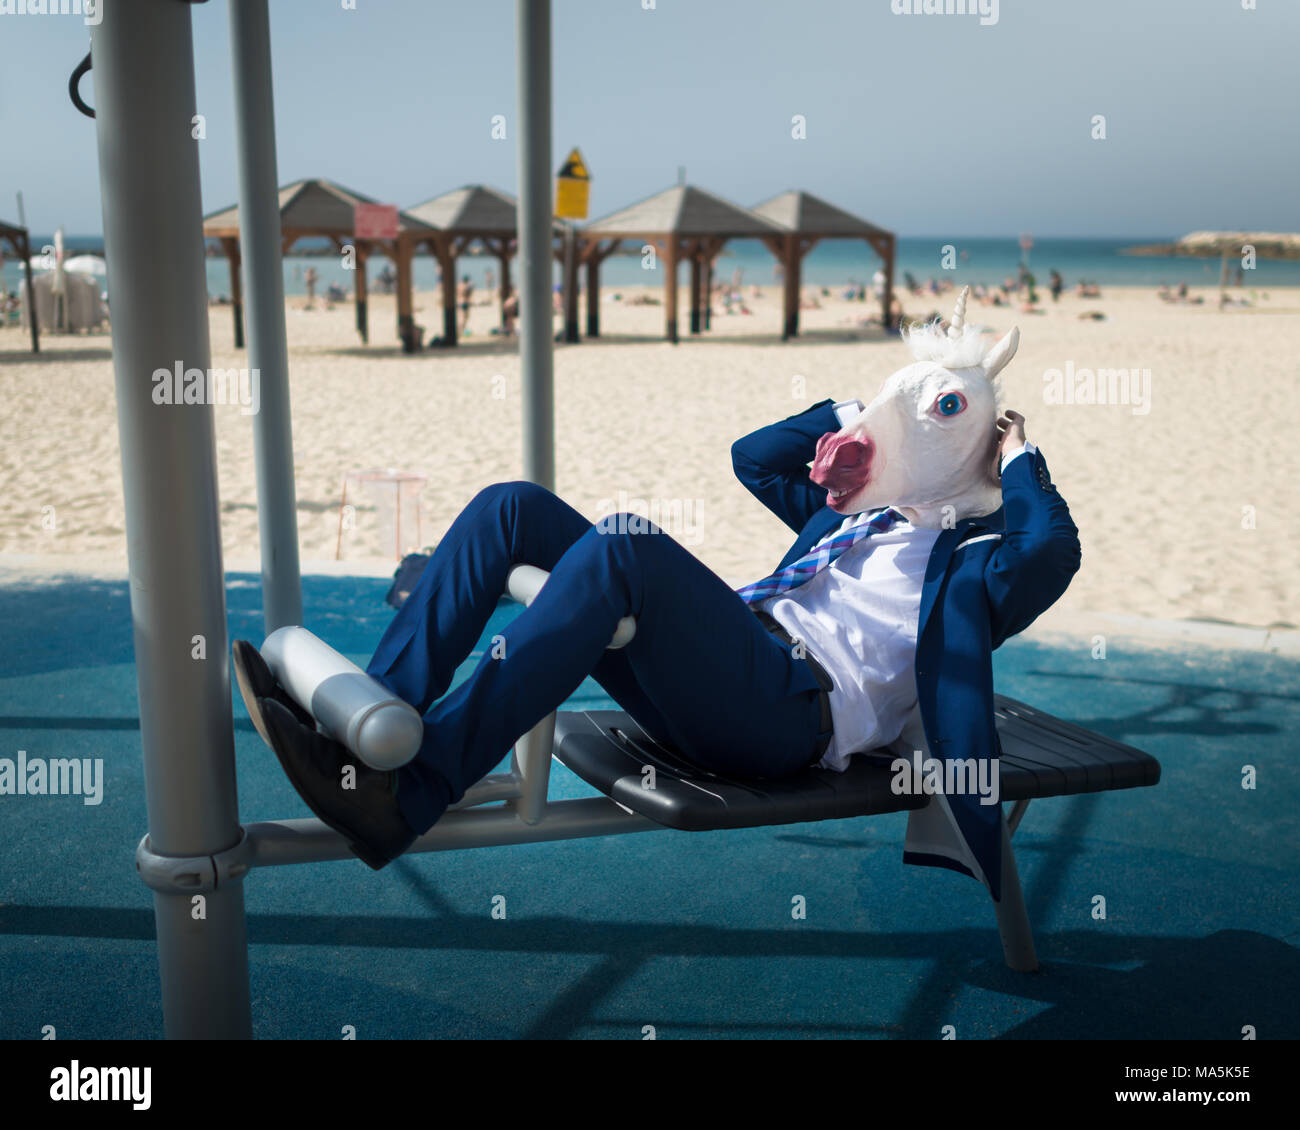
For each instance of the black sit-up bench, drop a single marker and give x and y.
(1042, 756)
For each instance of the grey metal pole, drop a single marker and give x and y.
(268, 353)
(149, 185)
(533, 49)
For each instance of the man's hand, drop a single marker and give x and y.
(1011, 432)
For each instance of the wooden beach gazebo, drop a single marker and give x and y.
(807, 219)
(21, 244)
(321, 209)
(458, 219)
(682, 222)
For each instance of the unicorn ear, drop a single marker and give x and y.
(1001, 354)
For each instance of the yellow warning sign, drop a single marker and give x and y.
(572, 184)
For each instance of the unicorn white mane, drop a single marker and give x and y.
(960, 346)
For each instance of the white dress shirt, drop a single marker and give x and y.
(858, 618)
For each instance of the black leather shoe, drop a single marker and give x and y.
(256, 681)
(366, 815)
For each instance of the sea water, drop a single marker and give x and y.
(834, 264)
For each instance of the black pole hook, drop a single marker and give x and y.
(75, 81)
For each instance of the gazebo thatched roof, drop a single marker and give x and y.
(807, 214)
(683, 210)
(308, 208)
(475, 209)
(12, 231)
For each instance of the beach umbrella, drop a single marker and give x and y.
(60, 288)
(86, 265)
(1208, 244)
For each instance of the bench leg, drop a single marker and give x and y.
(533, 762)
(1013, 919)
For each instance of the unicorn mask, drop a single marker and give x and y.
(927, 444)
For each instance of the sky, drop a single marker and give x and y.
(923, 124)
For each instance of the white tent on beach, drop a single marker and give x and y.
(67, 304)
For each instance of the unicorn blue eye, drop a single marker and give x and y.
(950, 403)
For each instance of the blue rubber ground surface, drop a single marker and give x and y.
(691, 933)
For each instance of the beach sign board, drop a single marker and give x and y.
(374, 221)
(572, 184)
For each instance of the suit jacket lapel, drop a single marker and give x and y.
(940, 556)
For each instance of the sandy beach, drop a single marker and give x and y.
(1181, 494)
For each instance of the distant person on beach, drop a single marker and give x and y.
(1055, 285)
(1028, 282)
(826, 658)
(465, 293)
(309, 280)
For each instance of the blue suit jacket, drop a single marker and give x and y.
(974, 597)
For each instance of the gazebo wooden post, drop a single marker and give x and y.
(787, 252)
(670, 287)
(712, 249)
(501, 249)
(693, 253)
(784, 250)
(886, 302)
(447, 266)
(708, 283)
(571, 276)
(24, 246)
(796, 287)
(591, 256)
(359, 288)
(506, 289)
(402, 252)
(803, 245)
(230, 245)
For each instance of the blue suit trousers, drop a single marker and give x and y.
(701, 674)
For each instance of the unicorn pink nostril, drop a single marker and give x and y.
(842, 463)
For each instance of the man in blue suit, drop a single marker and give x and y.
(872, 614)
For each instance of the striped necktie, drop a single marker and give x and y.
(816, 559)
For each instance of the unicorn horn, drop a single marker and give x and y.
(959, 314)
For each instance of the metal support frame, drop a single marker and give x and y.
(149, 183)
(533, 46)
(268, 351)
(1017, 814)
(1013, 918)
